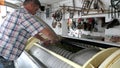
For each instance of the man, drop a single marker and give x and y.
(17, 28)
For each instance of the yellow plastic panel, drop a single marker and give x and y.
(30, 42)
(97, 59)
(113, 61)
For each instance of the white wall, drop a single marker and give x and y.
(57, 5)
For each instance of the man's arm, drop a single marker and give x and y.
(47, 36)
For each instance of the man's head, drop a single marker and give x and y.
(32, 6)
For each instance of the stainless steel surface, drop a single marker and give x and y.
(82, 56)
(60, 51)
(47, 59)
(26, 61)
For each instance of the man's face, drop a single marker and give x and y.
(34, 9)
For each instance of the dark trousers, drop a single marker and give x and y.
(6, 63)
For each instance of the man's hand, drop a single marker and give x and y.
(51, 42)
(48, 37)
(46, 42)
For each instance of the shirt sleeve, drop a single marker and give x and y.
(32, 25)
